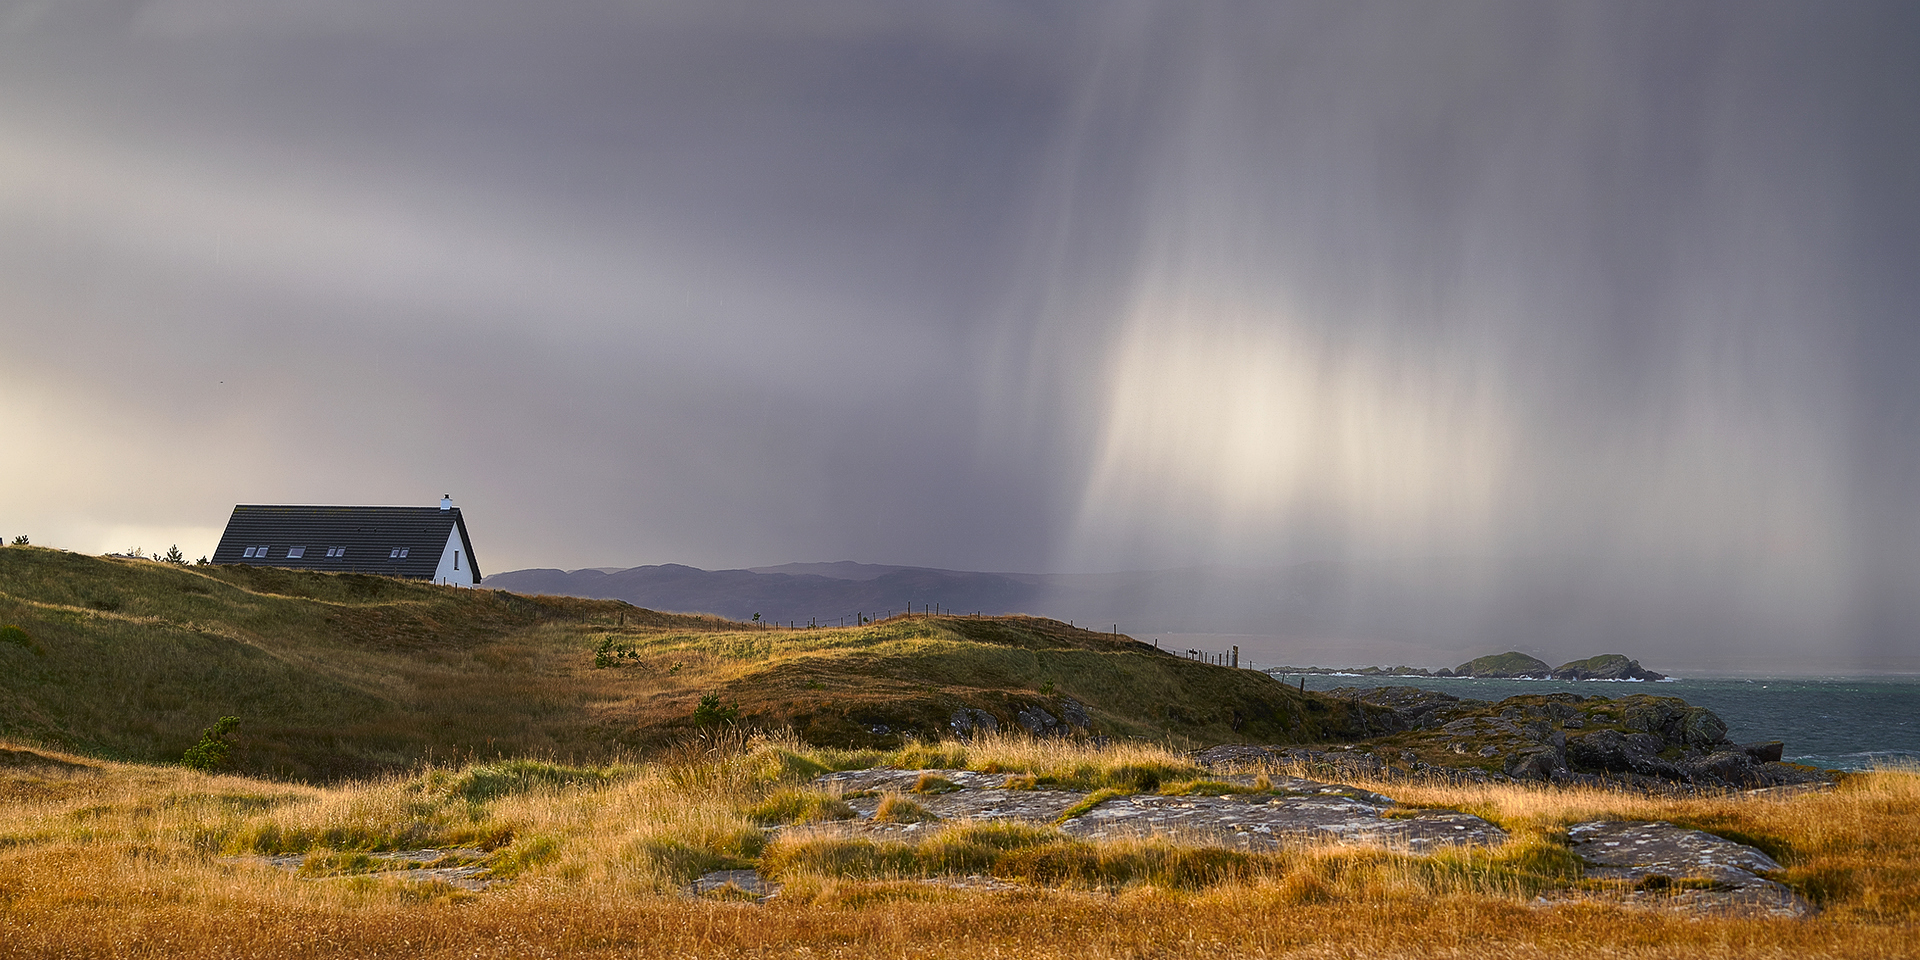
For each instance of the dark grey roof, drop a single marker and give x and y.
(369, 536)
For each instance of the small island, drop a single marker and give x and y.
(1511, 665)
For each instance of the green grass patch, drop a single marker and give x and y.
(799, 805)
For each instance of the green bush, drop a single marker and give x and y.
(215, 749)
(709, 711)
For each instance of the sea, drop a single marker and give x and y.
(1843, 723)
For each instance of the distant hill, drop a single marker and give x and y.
(338, 675)
(794, 593)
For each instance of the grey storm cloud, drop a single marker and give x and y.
(1540, 323)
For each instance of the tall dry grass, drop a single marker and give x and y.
(100, 859)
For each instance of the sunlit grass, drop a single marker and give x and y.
(102, 859)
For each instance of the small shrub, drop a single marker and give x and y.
(215, 748)
(709, 711)
(20, 541)
(611, 652)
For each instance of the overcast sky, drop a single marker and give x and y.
(1624, 290)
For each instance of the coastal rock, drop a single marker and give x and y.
(1413, 708)
(1510, 664)
(1537, 764)
(1641, 741)
(1607, 666)
(1672, 719)
(1689, 868)
(1731, 767)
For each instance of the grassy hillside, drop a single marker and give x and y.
(339, 675)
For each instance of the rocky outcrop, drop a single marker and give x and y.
(968, 721)
(1651, 865)
(1642, 741)
(1035, 718)
(1283, 810)
(1607, 666)
(1511, 664)
(1683, 868)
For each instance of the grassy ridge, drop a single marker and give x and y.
(339, 675)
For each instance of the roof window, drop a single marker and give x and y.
(397, 553)
(336, 551)
(295, 553)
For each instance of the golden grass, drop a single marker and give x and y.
(1844, 849)
(102, 859)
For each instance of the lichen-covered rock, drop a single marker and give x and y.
(1641, 853)
(1283, 809)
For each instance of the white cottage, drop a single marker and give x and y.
(419, 543)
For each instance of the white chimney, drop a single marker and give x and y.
(446, 501)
